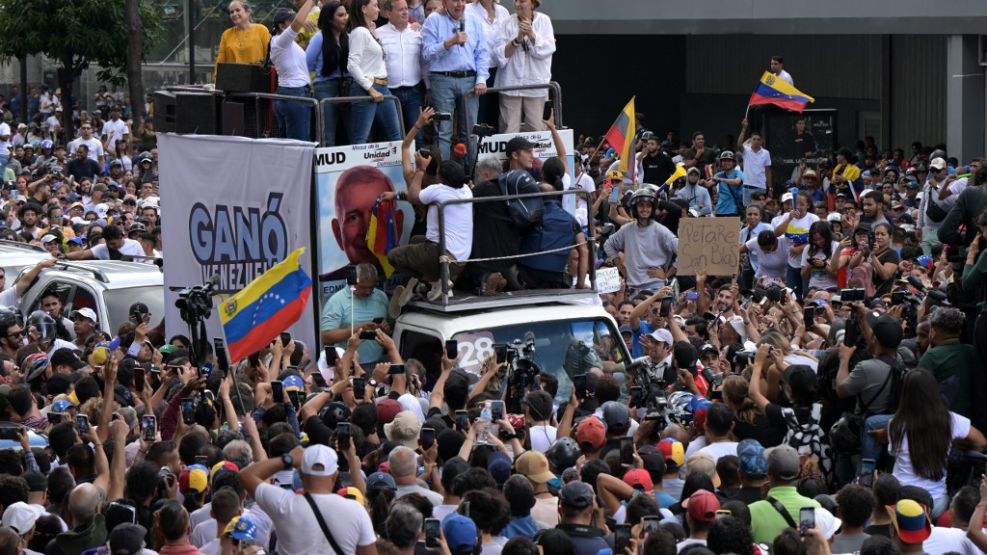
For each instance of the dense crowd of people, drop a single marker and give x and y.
(826, 397)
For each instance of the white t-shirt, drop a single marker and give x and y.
(797, 233)
(772, 264)
(458, 222)
(94, 145)
(755, 167)
(946, 540)
(819, 277)
(720, 449)
(582, 207)
(115, 130)
(542, 437)
(298, 529)
(4, 132)
(687, 542)
(903, 462)
(289, 59)
(129, 248)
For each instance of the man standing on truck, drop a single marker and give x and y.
(647, 246)
(347, 313)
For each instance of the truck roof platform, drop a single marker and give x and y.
(464, 301)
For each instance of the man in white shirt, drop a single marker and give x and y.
(757, 163)
(114, 247)
(403, 56)
(115, 129)
(4, 146)
(96, 151)
(778, 68)
(345, 519)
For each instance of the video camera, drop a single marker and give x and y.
(521, 370)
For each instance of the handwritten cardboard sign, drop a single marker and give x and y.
(709, 246)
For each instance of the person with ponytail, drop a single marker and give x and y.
(751, 422)
(921, 433)
(557, 229)
(326, 56)
(294, 118)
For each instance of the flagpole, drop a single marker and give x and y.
(591, 156)
(748, 111)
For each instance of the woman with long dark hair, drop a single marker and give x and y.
(366, 65)
(921, 433)
(327, 55)
(817, 257)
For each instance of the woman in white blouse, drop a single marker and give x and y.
(366, 66)
(294, 118)
(493, 16)
(524, 51)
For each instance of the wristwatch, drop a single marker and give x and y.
(288, 461)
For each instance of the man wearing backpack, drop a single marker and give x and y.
(558, 229)
(876, 381)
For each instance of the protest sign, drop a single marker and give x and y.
(708, 246)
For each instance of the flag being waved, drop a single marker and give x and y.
(254, 316)
(772, 90)
(621, 138)
(382, 233)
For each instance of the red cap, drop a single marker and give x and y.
(639, 478)
(702, 505)
(387, 409)
(592, 432)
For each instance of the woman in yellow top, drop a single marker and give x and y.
(245, 42)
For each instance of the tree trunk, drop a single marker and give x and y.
(66, 74)
(135, 55)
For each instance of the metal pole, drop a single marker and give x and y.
(190, 29)
(23, 100)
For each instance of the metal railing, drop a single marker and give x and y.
(552, 86)
(350, 99)
(257, 96)
(444, 258)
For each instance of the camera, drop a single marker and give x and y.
(852, 296)
(442, 116)
(483, 130)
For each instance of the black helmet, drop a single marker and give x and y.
(335, 413)
(563, 454)
(644, 194)
(44, 323)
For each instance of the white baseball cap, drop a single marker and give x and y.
(662, 335)
(21, 517)
(86, 313)
(319, 460)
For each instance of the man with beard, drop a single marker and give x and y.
(647, 246)
(656, 166)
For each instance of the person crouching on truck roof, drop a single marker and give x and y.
(420, 258)
(647, 246)
(558, 229)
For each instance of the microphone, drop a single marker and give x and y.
(462, 27)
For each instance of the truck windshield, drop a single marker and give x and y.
(118, 303)
(562, 348)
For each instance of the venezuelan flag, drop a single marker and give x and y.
(772, 90)
(621, 138)
(253, 317)
(382, 233)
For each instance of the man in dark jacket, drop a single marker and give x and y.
(88, 529)
(577, 503)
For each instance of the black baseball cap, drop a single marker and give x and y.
(139, 309)
(516, 144)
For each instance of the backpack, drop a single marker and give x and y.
(808, 438)
(524, 212)
(896, 381)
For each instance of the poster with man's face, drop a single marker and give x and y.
(348, 180)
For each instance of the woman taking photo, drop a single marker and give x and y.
(327, 55)
(524, 53)
(817, 257)
(366, 65)
(922, 432)
(245, 42)
(294, 118)
(879, 258)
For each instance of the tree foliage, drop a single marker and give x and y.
(74, 32)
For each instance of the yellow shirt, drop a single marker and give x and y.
(304, 35)
(243, 47)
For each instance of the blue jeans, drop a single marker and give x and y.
(4, 159)
(330, 113)
(446, 91)
(363, 115)
(488, 110)
(411, 104)
(869, 447)
(294, 118)
(793, 280)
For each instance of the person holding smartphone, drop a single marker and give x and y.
(360, 307)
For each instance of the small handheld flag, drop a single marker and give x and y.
(621, 137)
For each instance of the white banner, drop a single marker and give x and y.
(233, 207)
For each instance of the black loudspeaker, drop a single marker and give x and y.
(164, 111)
(197, 113)
(245, 117)
(242, 78)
